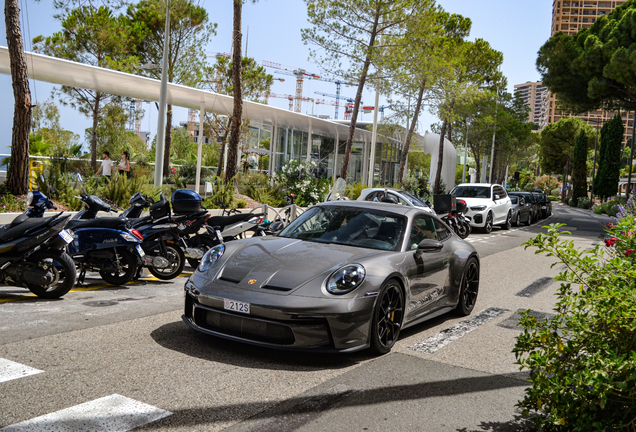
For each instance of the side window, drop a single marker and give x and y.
(371, 196)
(423, 228)
(398, 199)
(442, 231)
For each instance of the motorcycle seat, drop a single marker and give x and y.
(136, 222)
(98, 223)
(19, 227)
(223, 221)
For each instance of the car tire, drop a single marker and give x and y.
(64, 270)
(468, 289)
(529, 220)
(508, 223)
(488, 224)
(388, 315)
(517, 221)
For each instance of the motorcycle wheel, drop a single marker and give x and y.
(128, 263)
(177, 261)
(64, 270)
(462, 229)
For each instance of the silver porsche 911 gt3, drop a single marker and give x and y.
(344, 276)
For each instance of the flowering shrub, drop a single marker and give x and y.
(582, 362)
(9, 203)
(546, 182)
(297, 178)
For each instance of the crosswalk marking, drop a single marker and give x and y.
(107, 414)
(451, 334)
(10, 370)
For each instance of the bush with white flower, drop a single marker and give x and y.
(298, 179)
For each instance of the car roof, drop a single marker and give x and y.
(390, 189)
(373, 205)
(478, 184)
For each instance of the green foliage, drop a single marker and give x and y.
(526, 179)
(582, 361)
(584, 203)
(608, 174)
(354, 189)
(9, 203)
(120, 189)
(579, 168)
(555, 192)
(556, 146)
(257, 187)
(240, 204)
(593, 68)
(222, 195)
(528, 187)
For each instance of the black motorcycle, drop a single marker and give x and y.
(32, 255)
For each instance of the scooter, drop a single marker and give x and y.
(32, 255)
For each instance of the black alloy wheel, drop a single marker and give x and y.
(387, 318)
(508, 224)
(488, 224)
(62, 270)
(469, 288)
(127, 265)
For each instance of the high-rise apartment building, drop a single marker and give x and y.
(535, 96)
(569, 17)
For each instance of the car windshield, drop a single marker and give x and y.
(471, 192)
(416, 201)
(350, 226)
(514, 199)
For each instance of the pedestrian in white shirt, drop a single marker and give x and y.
(106, 168)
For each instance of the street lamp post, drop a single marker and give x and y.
(631, 158)
(465, 154)
(163, 93)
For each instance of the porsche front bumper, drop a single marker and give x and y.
(284, 322)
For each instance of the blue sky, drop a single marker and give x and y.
(515, 27)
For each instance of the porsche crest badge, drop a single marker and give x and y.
(252, 281)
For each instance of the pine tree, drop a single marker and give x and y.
(579, 173)
(606, 181)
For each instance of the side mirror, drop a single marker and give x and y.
(277, 227)
(429, 245)
(79, 178)
(497, 197)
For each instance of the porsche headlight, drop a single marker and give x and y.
(211, 257)
(346, 279)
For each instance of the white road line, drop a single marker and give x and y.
(107, 414)
(11, 370)
(451, 334)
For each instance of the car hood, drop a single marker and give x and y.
(471, 202)
(283, 264)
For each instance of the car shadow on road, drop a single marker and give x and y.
(178, 337)
(518, 424)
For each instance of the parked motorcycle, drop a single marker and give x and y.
(452, 212)
(32, 255)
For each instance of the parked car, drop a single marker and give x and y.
(546, 205)
(342, 277)
(520, 212)
(488, 205)
(399, 195)
(531, 202)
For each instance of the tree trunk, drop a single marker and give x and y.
(237, 113)
(450, 132)
(565, 182)
(223, 140)
(18, 176)
(407, 143)
(356, 105)
(94, 131)
(168, 142)
(440, 160)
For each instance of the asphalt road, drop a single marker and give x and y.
(118, 358)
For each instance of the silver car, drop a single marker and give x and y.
(396, 196)
(344, 276)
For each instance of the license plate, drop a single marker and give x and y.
(219, 236)
(66, 236)
(236, 306)
(140, 251)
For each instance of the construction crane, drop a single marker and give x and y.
(299, 73)
(348, 107)
(290, 98)
(338, 83)
(381, 109)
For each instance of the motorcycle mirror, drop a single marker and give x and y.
(80, 178)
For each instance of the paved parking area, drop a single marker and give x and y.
(120, 358)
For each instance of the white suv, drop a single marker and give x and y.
(487, 205)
